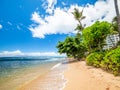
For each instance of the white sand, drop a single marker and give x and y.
(83, 77)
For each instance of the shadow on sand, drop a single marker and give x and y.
(68, 61)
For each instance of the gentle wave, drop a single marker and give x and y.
(55, 66)
(21, 68)
(22, 59)
(30, 58)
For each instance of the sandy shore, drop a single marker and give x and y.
(51, 80)
(82, 77)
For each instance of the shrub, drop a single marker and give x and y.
(95, 59)
(111, 61)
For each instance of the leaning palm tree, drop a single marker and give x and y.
(79, 17)
(118, 16)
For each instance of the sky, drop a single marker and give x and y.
(34, 27)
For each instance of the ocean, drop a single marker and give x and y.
(16, 73)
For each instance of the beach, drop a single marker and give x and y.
(75, 75)
(65, 75)
(30, 73)
(82, 77)
(52, 80)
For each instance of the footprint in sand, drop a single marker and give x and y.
(107, 88)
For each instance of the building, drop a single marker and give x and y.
(111, 41)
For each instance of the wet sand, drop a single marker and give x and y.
(23, 76)
(51, 80)
(82, 77)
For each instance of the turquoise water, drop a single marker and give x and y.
(17, 71)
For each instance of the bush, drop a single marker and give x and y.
(111, 61)
(95, 59)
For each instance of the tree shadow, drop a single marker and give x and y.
(69, 61)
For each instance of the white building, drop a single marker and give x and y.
(111, 41)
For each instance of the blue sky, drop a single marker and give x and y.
(37, 25)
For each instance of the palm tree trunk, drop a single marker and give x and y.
(118, 16)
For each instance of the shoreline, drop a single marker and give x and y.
(53, 79)
(82, 77)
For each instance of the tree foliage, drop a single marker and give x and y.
(72, 47)
(95, 58)
(90, 41)
(114, 24)
(79, 17)
(95, 35)
(111, 61)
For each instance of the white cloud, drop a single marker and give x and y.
(18, 27)
(19, 53)
(37, 19)
(11, 53)
(9, 23)
(63, 22)
(1, 26)
(99, 10)
(42, 54)
(63, 3)
(49, 5)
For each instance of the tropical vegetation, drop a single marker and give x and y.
(89, 42)
(95, 35)
(73, 47)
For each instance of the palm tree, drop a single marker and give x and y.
(79, 17)
(118, 16)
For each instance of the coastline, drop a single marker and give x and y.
(51, 80)
(82, 77)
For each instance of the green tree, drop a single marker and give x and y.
(79, 17)
(95, 35)
(114, 24)
(72, 46)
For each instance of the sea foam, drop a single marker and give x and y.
(55, 66)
